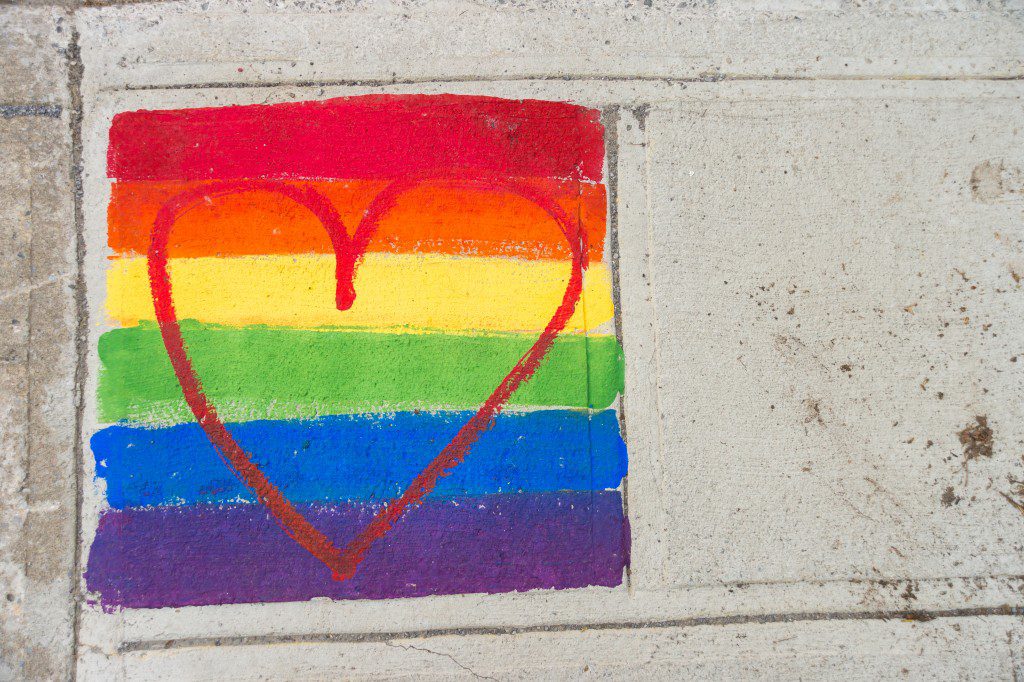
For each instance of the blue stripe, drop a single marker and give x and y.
(362, 457)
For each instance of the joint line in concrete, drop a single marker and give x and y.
(383, 637)
(506, 78)
(8, 111)
(75, 73)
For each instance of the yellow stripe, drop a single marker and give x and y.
(393, 292)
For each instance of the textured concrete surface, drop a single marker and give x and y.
(953, 648)
(835, 302)
(819, 212)
(33, 52)
(37, 361)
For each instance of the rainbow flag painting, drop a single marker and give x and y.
(360, 348)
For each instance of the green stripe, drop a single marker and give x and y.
(274, 373)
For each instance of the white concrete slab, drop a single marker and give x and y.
(821, 228)
(183, 44)
(797, 545)
(954, 648)
(835, 302)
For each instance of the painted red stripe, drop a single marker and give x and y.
(371, 137)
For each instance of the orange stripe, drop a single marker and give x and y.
(432, 218)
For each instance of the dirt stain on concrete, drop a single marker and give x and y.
(977, 439)
(813, 406)
(993, 180)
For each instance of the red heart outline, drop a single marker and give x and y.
(348, 252)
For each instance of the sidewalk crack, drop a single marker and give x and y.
(451, 658)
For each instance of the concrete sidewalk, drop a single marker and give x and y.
(816, 227)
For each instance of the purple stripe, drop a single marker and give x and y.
(199, 555)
